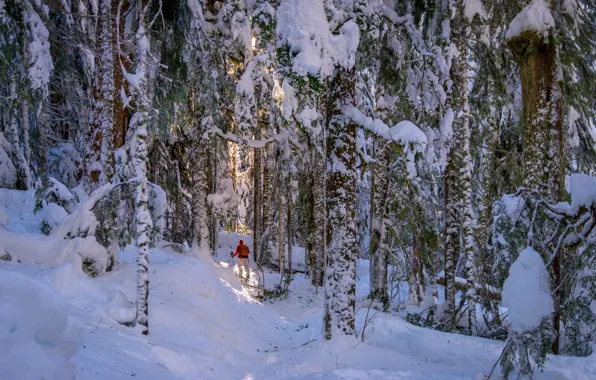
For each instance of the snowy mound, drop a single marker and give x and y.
(37, 337)
(535, 16)
(526, 292)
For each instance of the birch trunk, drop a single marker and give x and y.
(142, 219)
(469, 221)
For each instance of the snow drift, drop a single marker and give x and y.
(38, 339)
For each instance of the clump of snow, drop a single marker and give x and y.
(120, 308)
(40, 60)
(571, 7)
(513, 205)
(302, 26)
(526, 292)
(473, 8)
(536, 16)
(53, 214)
(38, 339)
(582, 189)
(593, 306)
(446, 137)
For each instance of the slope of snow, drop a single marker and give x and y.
(38, 339)
(535, 16)
(204, 324)
(526, 292)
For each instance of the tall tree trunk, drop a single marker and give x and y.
(143, 220)
(140, 158)
(290, 232)
(26, 126)
(119, 111)
(542, 112)
(214, 148)
(233, 157)
(200, 206)
(106, 101)
(340, 284)
(24, 179)
(469, 222)
(542, 101)
(281, 217)
(268, 206)
(257, 225)
(416, 278)
(451, 239)
(42, 148)
(377, 250)
(318, 238)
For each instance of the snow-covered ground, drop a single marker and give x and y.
(204, 324)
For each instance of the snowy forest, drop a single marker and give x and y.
(415, 181)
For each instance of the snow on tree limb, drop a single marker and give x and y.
(405, 133)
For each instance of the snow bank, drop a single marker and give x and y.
(526, 292)
(535, 16)
(38, 339)
(582, 189)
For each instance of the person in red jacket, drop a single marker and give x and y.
(242, 252)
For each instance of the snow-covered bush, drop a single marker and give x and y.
(81, 228)
(56, 193)
(52, 215)
(38, 339)
(106, 221)
(527, 294)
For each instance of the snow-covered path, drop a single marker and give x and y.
(205, 325)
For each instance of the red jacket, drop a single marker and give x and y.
(242, 250)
